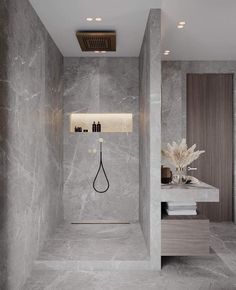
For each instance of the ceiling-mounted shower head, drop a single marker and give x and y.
(97, 40)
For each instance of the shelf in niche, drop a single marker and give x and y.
(110, 123)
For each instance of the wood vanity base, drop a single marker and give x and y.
(184, 235)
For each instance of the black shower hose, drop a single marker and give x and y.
(101, 167)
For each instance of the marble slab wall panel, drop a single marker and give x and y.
(174, 97)
(171, 104)
(150, 137)
(101, 85)
(144, 139)
(31, 141)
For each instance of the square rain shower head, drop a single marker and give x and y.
(97, 40)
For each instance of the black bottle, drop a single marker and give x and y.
(99, 127)
(76, 129)
(94, 127)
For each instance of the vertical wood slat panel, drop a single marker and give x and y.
(210, 126)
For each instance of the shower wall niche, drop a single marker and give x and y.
(109, 123)
(105, 89)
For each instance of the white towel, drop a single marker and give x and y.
(181, 203)
(181, 212)
(192, 207)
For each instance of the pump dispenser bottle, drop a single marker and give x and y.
(94, 127)
(99, 127)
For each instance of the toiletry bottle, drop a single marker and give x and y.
(94, 127)
(99, 127)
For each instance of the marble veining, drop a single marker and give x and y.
(31, 141)
(171, 105)
(101, 85)
(94, 242)
(200, 192)
(121, 280)
(216, 271)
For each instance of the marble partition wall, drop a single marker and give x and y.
(101, 85)
(174, 97)
(172, 121)
(30, 139)
(150, 137)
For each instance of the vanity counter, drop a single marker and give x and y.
(200, 192)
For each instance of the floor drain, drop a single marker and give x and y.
(101, 223)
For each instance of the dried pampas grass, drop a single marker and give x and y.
(179, 154)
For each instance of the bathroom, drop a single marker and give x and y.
(81, 137)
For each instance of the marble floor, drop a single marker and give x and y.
(216, 271)
(83, 242)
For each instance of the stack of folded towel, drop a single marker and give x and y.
(181, 208)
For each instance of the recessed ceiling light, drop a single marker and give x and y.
(181, 24)
(96, 51)
(166, 52)
(89, 19)
(98, 19)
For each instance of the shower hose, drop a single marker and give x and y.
(101, 167)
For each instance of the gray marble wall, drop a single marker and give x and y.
(30, 139)
(174, 96)
(150, 137)
(172, 103)
(101, 85)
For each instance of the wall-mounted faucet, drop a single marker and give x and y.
(94, 151)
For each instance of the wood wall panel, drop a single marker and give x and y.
(210, 126)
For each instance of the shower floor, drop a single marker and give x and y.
(95, 242)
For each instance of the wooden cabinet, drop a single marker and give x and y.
(184, 235)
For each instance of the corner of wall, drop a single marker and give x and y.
(150, 136)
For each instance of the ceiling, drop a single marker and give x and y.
(209, 33)
(63, 18)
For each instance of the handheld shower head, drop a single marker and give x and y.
(101, 167)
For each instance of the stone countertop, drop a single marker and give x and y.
(200, 192)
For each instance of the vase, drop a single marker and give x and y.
(179, 176)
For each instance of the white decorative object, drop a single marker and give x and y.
(181, 156)
(181, 208)
(192, 180)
